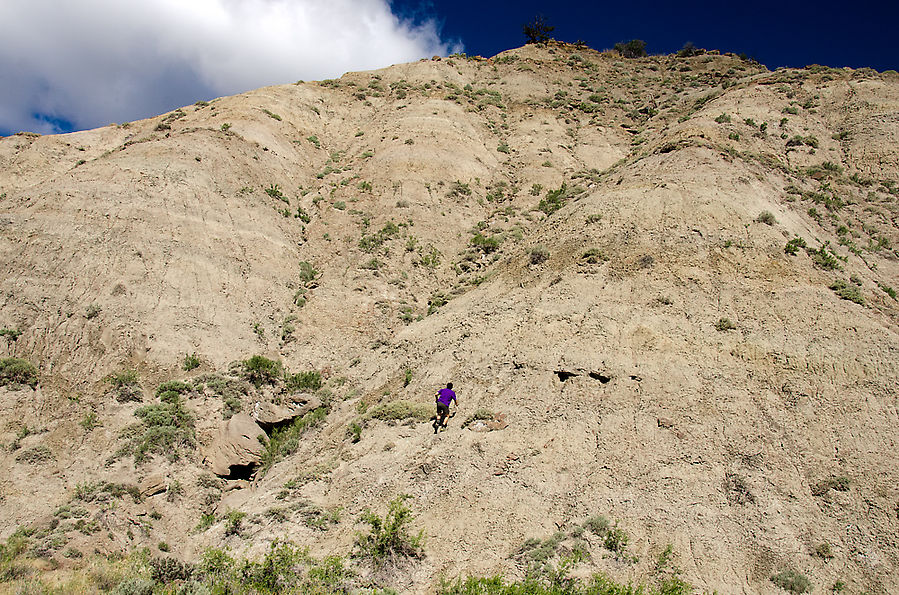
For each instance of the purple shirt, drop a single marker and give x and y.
(446, 395)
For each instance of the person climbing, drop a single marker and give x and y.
(444, 397)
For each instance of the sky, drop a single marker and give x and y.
(71, 65)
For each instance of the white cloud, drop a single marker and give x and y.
(92, 62)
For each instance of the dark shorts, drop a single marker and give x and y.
(442, 410)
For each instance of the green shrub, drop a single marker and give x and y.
(538, 255)
(355, 432)
(260, 370)
(191, 362)
(887, 289)
(167, 570)
(10, 334)
(166, 428)
(794, 245)
(766, 217)
(102, 491)
(436, 301)
(122, 378)
(206, 521)
(847, 292)
(304, 381)
(593, 256)
(558, 583)
(615, 540)
(388, 540)
(824, 258)
(824, 551)
(485, 244)
(458, 189)
(309, 275)
(371, 242)
(556, 199)
(792, 581)
(35, 455)
(799, 140)
(503, 148)
(285, 441)
(15, 371)
(173, 386)
(272, 115)
(230, 390)
(725, 324)
(599, 525)
(134, 585)
(89, 421)
(234, 522)
(275, 192)
(285, 568)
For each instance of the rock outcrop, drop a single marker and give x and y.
(269, 414)
(237, 447)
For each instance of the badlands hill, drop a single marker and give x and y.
(662, 287)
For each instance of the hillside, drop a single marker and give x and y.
(666, 282)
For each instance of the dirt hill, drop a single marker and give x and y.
(662, 288)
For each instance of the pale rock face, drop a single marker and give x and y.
(237, 445)
(575, 240)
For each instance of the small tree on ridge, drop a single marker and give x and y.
(538, 31)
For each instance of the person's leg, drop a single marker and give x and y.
(442, 414)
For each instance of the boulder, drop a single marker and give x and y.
(237, 445)
(152, 485)
(270, 414)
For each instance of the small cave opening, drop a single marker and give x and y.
(246, 472)
(565, 374)
(601, 377)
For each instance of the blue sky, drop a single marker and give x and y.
(75, 65)
(784, 33)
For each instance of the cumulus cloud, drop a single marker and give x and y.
(88, 63)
